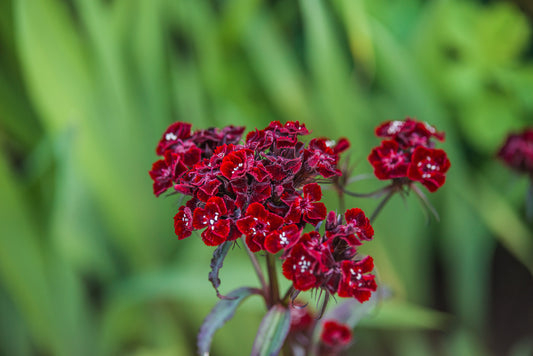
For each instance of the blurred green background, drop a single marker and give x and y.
(89, 264)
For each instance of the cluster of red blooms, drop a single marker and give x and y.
(264, 188)
(517, 151)
(408, 154)
(334, 337)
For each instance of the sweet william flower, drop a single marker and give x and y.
(359, 224)
(409, 155)
(428, 166)
(257, 224)
(165, 171)
(211, 217)
(183, 222)
(300, 267)
(389, 161)
(335, 334)
(322, 158)
(355, 281)
(237, 163)
(309, 208)
(409, 133)
(517, 151)
(282, 239)
(173, 135)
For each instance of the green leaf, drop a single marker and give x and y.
(216, 264)
(272, 331)
(220, 314)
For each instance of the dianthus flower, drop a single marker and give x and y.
(408, 154)
(335, 334)
(517, 151)
(262, 188)
(327, 261)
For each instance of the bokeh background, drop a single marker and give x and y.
(89, 263)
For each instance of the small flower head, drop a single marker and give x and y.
(165, 171)
(355, 281)
(257, 224)
(359, 224)
(517, 151)
(429, 166)
(400, 156)
(212, 218)
(300, 267)
(183, 222)
(335, 334)
(283, 238)
(389, 161)
(309, 208)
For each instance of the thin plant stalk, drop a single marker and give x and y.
(257, 268)
(273, 279)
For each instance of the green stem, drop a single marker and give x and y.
(257, 268)
(285, 299)
(381, 205)
(273, 279)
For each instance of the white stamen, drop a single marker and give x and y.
(170, 136)
(394, 127)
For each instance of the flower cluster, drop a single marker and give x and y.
(334, 336)
(407, 154)
(265, 189)
(327, 261)
(517, 151)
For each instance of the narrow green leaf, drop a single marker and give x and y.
(272, 332)
(220, 314)
(216, 264)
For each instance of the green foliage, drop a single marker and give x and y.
(88, 260)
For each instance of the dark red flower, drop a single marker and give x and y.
(189, 153)
(183, 222)
(359, 223)
(208, 140)
(335, 334)
(281, 168)
(301, 319)
(341, 146)
(165, 171)
(237, 163)
(389, 161)
(393, 128)
(309, 208)
(409, 133)
(217, 228)
(355, 281)
(257, 224)
(292, 128)
(335, 230)
(321, 157)
(282, 239)
(517, 151)
(429, 166)
(173, 135)
(300, 267)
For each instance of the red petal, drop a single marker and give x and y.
(219, 203)
(257, 210)
(312, 192)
